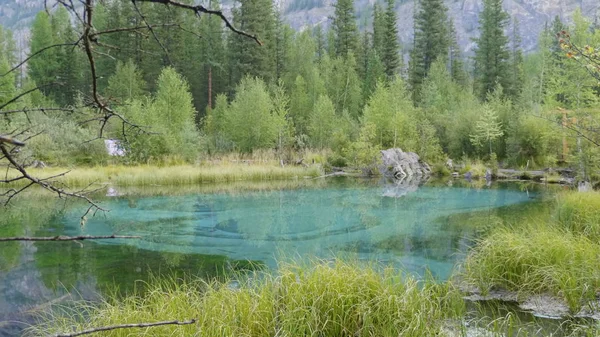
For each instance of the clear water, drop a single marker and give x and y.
(203, 233)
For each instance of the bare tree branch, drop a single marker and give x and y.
(135, 6)
(11, 140)
(68, 238)
(26, 110)
(199, 9)
(43, 183)
(129, 29)
(126, 326)
(16, 98)
(19, 65)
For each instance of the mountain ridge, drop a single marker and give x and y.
(301, 14)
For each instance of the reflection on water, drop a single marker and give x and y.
(364, 221)
(207, 233)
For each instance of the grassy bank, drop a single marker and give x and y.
(560, 256)
(323, 299)
(147, 175)
(537, 259)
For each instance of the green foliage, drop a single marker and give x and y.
(390, 54)
(302, 70)
(431, 42)
(62, 140)
(215, 126)
(487, 128)
(344, 28)
(391, 113)
(491, 54)
(126, 83)
(170, 114)
(245, 56)
(322, 123)
(343, 84)
(251, 120)
(363, 153)
(535, 140)
(58, 70)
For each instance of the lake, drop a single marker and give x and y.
(212, 230)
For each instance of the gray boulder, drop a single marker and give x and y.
(398, 164)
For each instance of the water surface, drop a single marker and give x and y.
(208, 232)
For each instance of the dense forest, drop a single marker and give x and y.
(199, 90)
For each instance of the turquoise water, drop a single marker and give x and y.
(368, 222)
(205, 233)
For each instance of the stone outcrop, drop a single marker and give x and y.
(399, 165)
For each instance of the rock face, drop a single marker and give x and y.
(400, 165)
(302, 14)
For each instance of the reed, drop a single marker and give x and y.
(537, 259)
(147, 175)
(579, 213)
(332, 298)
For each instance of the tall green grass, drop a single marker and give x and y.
(323, 299)
(537, 259)
(146, 175)
(580, 213)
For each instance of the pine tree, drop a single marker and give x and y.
(206, 59)
(320, 40)
(378, 29)
(491, 54)
(246, 56)
(517, 75)
(344, 28)
(42, 70)
(455, 62)
(362, 52)
(390, 57)
(431, 41)
(69, 60)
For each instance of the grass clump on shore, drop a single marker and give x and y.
(146, 175)
(323, 299)
(537, 259)
(580, 213)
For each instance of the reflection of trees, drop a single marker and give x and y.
(349, 216)
(122, 266)
(23, 220)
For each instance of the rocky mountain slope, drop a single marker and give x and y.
(532, 15)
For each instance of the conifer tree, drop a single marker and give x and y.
(42, 70)
(320, 40)
(431, 41)
(517, 75)
(455, 62)
(390, 54)
(378, 29)
(491, 54)
(246, 56)
(344, 28)
(208, 74)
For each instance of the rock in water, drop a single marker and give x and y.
(399, 164)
